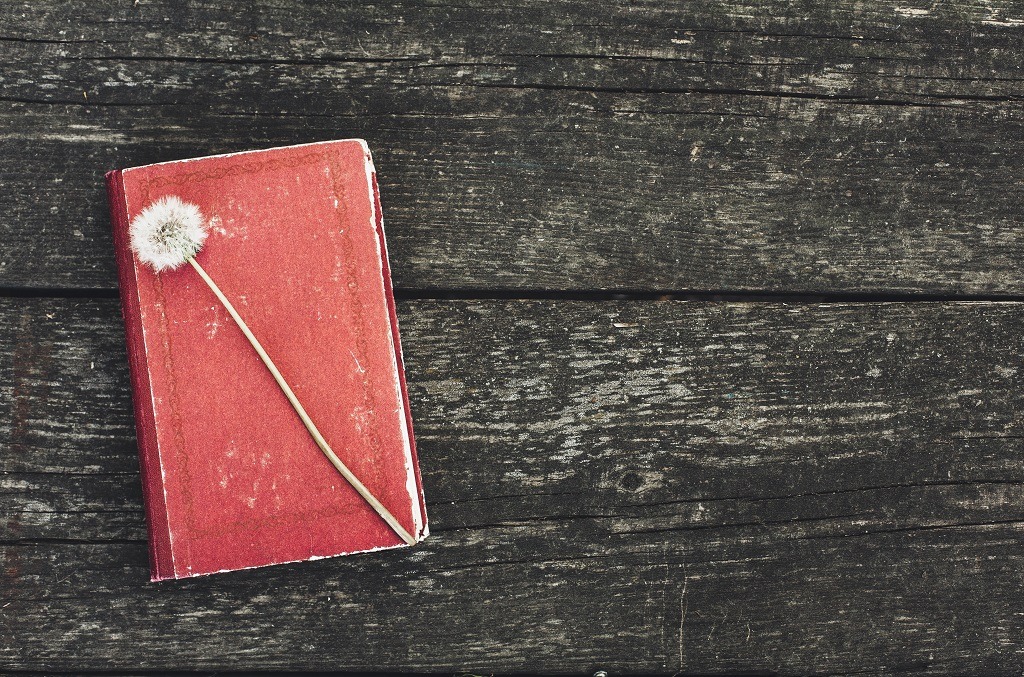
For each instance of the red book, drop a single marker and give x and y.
(231, 477)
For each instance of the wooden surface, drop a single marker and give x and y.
(854, 146)
(614, 481)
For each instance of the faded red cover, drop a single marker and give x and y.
(231, 477)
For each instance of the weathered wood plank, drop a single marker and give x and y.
(842, 48)
(705, 146)
(633, 486)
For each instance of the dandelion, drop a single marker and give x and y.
(169, 233)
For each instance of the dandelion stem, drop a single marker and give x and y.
(306, 421)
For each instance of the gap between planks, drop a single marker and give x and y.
(699, 295)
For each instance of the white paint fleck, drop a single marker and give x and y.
(911, 11)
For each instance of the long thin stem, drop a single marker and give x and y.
(306, 421)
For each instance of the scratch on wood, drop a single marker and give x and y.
(684, 605)
(664, 601)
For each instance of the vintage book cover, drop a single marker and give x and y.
(231, 477)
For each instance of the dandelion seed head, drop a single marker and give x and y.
(168, 232)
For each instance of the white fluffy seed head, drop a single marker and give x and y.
(168, 232)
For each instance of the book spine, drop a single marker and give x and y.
(160, 557)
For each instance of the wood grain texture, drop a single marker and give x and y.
(639, 487)
(735, 146)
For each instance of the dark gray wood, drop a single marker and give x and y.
(634, 486)
(852, 146)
